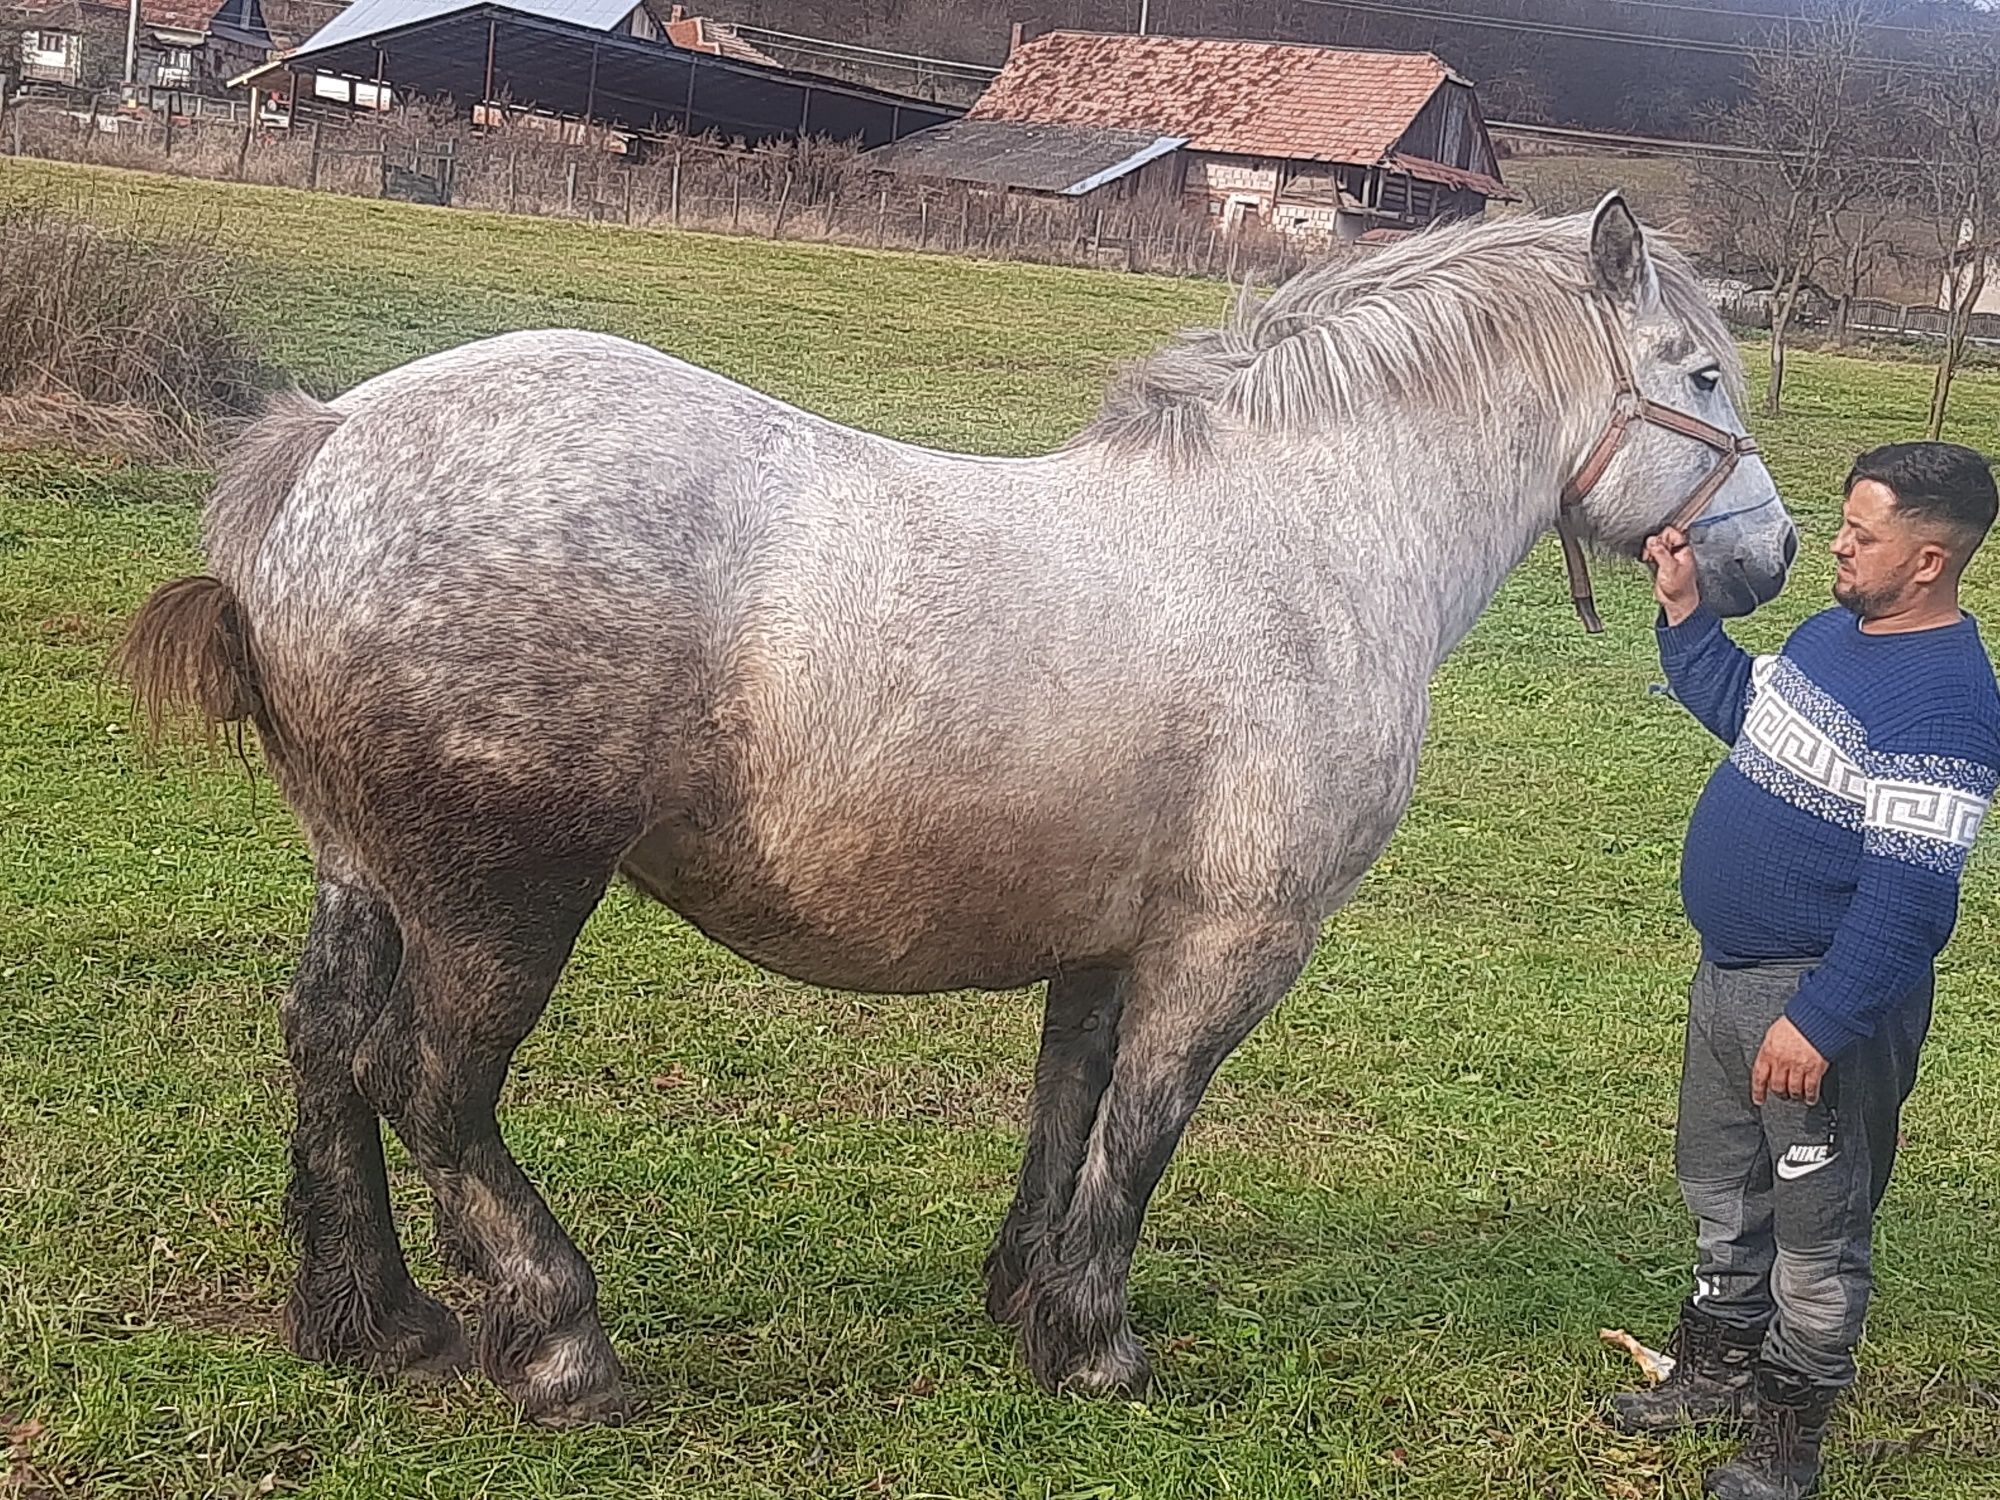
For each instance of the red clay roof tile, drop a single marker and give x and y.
(179, 15)
(1277, 99)
(172, 15)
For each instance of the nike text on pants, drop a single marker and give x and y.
(1784, 1197)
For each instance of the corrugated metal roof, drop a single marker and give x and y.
(1277, 99)
(366, 18)
(559, 67)
(1067, 159)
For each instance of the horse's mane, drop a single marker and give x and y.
(1432, 319)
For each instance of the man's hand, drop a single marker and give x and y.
(1674, 583)
(1787, 1065)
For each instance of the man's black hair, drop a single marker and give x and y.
(1943, 483)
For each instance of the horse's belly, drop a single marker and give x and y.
(864, 914)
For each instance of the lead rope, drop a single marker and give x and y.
(1579, 576)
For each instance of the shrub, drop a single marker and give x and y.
(110, 337)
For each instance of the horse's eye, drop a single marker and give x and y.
(1706, 380)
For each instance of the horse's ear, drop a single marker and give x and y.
(1618, 257)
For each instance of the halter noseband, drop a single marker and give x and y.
(1632, 406)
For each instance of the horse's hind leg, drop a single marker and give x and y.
(1187, 1004)
(353, 1301)
(1079, 1031)
(478, 964)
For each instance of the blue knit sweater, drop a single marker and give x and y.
(1859, 770)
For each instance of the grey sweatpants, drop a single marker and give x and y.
(1784, 1197)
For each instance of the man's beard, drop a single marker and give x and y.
(1865, 604)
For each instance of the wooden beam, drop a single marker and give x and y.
(492, 26)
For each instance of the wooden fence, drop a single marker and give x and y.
(793, 190)
(1894, 320)
(1865, 317)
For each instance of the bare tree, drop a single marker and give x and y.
(1955, 123)
(13, 24)
(1819, 105)
(1860, 243)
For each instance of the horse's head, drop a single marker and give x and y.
(1675, 450)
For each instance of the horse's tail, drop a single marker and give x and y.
(187, 654)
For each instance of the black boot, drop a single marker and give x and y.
(1780, 1459)
(1713, 1379)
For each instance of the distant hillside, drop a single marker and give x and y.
(1531, 66)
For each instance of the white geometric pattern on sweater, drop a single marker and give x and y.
(1801, 745)
(1925, 810)
(1794, 740)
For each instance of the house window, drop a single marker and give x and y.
(50, 48)
(175, 67)
(49, 55)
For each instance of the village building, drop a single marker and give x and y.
(1322, 141)
(615, 68)
(179, 44)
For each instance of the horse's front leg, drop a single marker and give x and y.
(1188, 1002)
(1072, 1070)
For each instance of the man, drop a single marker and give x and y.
(1821, 871)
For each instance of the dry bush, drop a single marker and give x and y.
(115, 338)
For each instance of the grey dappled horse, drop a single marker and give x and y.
(1132, 717)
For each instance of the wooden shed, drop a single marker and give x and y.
(1318, 140)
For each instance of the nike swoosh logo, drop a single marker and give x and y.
(1791, 1171)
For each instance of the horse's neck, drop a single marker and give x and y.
(1448, 507)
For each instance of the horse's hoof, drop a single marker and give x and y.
(1067, 1355)
(419, 1338)
(573, 1380)
(1121, 1371)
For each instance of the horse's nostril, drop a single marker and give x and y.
(1791, 545)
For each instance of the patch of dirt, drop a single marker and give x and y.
(75, 629)
(220, 1306)
(20, 1480)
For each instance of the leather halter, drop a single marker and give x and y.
(1630, 407)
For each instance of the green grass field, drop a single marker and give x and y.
(1377, 1267)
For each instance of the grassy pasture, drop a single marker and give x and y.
(1379, 1263)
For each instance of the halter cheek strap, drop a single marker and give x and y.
(1631, 407)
